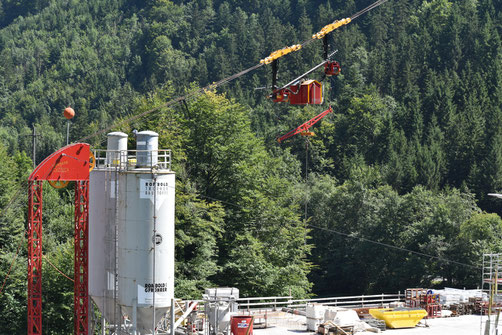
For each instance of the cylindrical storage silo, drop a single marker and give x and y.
(145, 196)
(147, 145)
(116, 147)
(103, 241)
(131, 242)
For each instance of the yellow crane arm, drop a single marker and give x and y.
(330, 27)
(279, 53)
(324, 31)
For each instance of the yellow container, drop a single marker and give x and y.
(399, 319)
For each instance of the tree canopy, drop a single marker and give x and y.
(392, 190)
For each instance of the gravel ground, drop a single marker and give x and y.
(288, 324)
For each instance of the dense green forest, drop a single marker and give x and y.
(391, 193)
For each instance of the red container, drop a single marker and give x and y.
(433, 311)
(242, 325)
(307, 93)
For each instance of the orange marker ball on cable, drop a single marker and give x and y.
(69, 113)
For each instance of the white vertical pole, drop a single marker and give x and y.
(34, 146)
(89, 309)
(134, 316)
(103, 310)
(68, 132)
(172, 316)
(154, 245)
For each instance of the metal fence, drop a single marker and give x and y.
(263, 302)
(125, 160)
(273, 303)
(351, 301)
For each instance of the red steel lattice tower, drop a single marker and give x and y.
(80, 295)
(71, 163)
(35, 258)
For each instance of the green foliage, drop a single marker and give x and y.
(12, 206)
(407, 68)
(12, 201)
(59, 212)
(13, 302)
(482, 234)
(232, 195)
(371, 232)
(417, 118)
(57, 297)
(199, 225)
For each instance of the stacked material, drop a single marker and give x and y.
(425, 299)
(453, 296)
(346, 319)
(330, 328)
(376, 323)
(315, 316)
(334, 320)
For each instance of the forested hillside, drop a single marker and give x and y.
(394, 184)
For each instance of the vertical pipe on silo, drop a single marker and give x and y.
(154, 243)
(134, 316)
(172, 316)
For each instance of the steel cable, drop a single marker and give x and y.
(364, 239)
(213, 85)
(181, 98)
(60, 272)
(367, 9)
(174, 101)
(395, 247)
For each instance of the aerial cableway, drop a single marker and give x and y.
(267, 60)
(77, 155)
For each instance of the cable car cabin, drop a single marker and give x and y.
(280, 96)
(305, 93)
(308, 92)
(332, 68)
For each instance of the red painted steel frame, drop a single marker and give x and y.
(68, 163)
(305, 126)
(80, 296)
(35, 258)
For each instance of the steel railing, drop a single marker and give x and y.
(125, 160)
(350, 301)
(263, 302)
(345, 301)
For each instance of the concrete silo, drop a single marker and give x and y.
(131, 233)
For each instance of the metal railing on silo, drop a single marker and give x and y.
(128, 160)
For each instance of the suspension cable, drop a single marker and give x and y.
(274, 55)
(367, 9)
(61, 272)
(187, 96)
(395, 247)
(363, 239)
(323, 32)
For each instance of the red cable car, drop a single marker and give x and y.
(302, 91)
(308, 92)
(332, 68)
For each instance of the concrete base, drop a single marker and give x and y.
(288, 324)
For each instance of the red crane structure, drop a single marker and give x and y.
(71, 163)
(303, 129)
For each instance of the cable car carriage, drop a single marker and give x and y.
(305, 92)
(301, 91)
